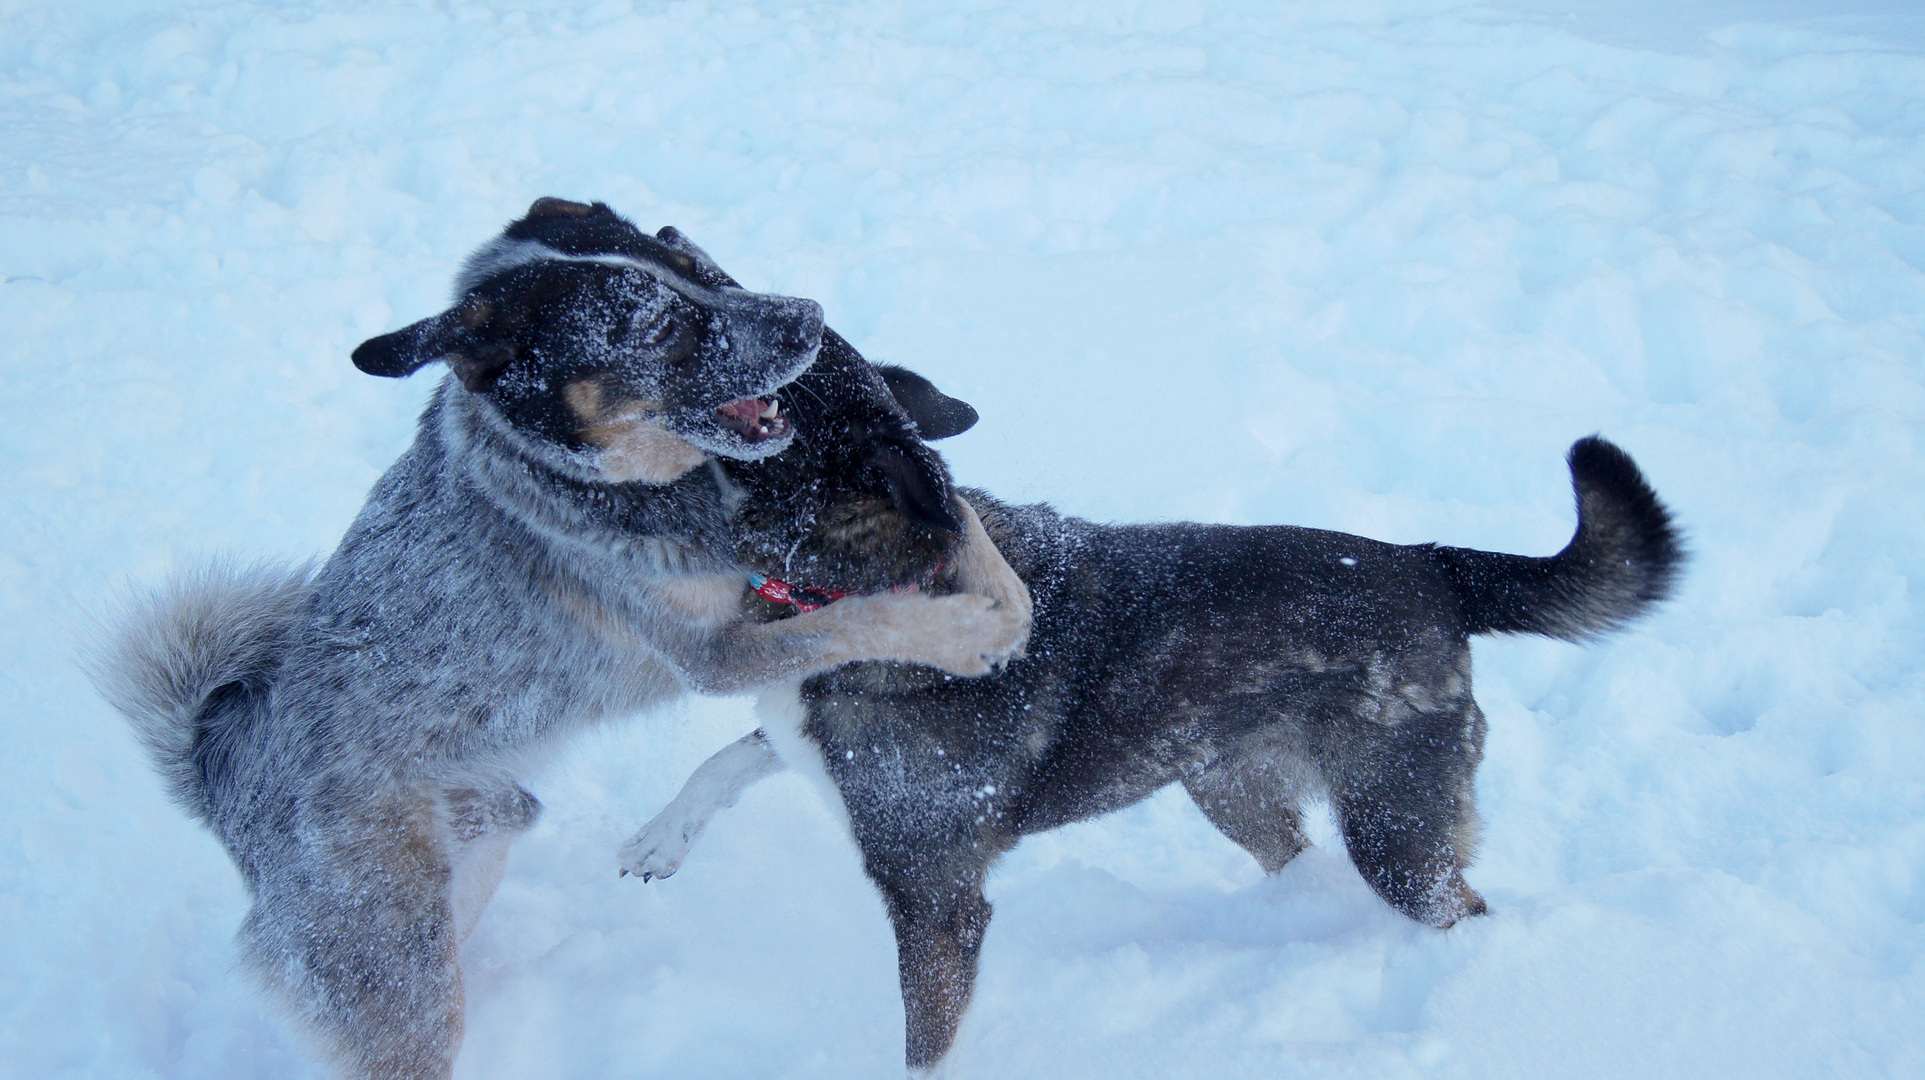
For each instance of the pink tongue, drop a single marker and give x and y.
(747, 409)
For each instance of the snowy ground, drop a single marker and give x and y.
(1360, 264)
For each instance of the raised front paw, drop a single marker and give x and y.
(971, 634)
(658, 849)
(981, 569)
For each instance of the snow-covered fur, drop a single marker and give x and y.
(1625, 557)
(555, 549)
(170, 648)
(1257, 666)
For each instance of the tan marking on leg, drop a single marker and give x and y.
(603, 623)
(478, 870)
(937, 951)
(1253, 799)
(981, 569)
(964, 634)
(383, 943)
(709, 601)
(634, 445)
(480, 825)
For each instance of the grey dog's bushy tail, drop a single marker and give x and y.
(1625, 558)
(169, 653)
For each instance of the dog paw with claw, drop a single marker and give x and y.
(964, 634)
(988, 634)
(658, 849)
(981, 569)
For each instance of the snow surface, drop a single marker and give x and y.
(1361, 264)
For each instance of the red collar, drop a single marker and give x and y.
(784, 593)
(807, 599)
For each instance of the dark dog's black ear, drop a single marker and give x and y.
(705, 271)
(449, 336)
(550, 206)
(919, 489)
(937, 415)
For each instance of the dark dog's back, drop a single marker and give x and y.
(1156, 647)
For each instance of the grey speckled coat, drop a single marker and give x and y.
(554, 550)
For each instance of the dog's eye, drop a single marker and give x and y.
(660, 330)
(682, 355)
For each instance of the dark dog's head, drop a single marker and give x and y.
(629, 350)
(859, 501)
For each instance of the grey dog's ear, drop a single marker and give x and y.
(458, 336)
(937, 415)
(706, 271)
(407, 350)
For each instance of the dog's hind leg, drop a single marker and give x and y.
(1253, 797)
(354, 926)
(658, 849)
(1406, 808)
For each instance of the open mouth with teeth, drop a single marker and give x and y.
(754, 419)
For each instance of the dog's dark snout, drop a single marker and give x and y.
(783, 326)
(798, 338)
(801, 326)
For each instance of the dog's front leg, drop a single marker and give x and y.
(963, 634)
(658, 849)
(939, 937)
(981, 569)
(483, 823)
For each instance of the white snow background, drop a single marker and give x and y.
(1360, 264)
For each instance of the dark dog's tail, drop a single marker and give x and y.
(1625, 557)
(171, 656)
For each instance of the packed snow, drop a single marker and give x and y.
(1367, 265)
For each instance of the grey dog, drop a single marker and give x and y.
(553, 550)
(1257, 666)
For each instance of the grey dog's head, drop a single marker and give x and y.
(590, 334)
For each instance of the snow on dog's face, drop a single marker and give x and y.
(861, 501)
(594, 336)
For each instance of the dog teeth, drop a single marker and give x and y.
(774, 409)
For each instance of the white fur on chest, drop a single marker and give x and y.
(782, 715)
